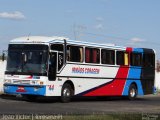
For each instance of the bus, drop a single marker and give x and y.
(58, 66)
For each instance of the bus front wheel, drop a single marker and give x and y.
(66, 93)
(132, 93)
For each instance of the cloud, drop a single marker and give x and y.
(136, 40)
(99, 19)
(99, 26)
(81, 27)
(16, 15)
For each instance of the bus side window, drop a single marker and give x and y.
(136, 59)
(108, 57)
(126, 59)
(92, 55)
(148, 60)
(74, 53)
(96, 56)
(57, 47)
(87, 55)
(81, 54)
(120, 58)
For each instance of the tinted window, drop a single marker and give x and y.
(27, 47)
(57, 47)
(92, 55)
(136, 59)
(108, 57)
(74, 53)
(148, 60)
(122, 58)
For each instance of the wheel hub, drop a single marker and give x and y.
(66, 92)
(132, 92)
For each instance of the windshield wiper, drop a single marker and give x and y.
(11, 72)
(30, 73)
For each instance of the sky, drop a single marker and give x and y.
(131, 23)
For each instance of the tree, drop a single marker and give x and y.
(158, 66)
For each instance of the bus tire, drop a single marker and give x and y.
(66, 93)
(132, 92)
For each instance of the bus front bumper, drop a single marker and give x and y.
(24, 89)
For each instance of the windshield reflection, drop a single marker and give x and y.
(27, 61)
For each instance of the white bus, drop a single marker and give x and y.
(57, 66)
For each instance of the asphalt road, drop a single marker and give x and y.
(145, 104)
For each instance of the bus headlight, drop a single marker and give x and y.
(41, 82)
(7, 81)
(33, 82)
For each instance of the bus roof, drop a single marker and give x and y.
(36, 39)
(44, 39)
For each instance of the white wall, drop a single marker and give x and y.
(2, 69)
(157, 80)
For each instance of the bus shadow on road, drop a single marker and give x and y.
(108, 98)
(10, 97)
(42, 99)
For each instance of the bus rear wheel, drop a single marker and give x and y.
(66, 93)
(132, 93)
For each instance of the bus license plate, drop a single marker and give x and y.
(21, 89)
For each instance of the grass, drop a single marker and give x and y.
(104, 117)
(115, 116)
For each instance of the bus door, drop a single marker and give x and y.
(59, 48)
(52, 66)
(148, 71)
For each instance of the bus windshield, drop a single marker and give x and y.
(27, 59)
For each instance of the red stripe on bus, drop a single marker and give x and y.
(129, 49)
(113, 88)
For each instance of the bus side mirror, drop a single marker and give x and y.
(52, 66)
(3, 56)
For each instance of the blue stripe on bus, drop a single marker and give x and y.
(10, 89)
(138, 50)
(134, 72)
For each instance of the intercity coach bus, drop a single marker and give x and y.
(57, 66)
